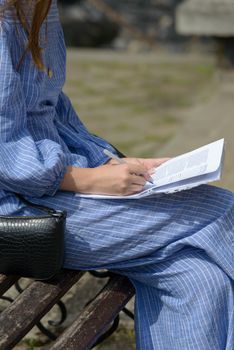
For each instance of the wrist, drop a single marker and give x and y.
(78, 180)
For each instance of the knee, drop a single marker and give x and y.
(206, 281)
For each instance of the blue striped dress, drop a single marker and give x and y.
(178, 250)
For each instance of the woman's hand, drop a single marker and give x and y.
(150, 164)
(112, 179)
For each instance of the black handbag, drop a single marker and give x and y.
(32, 246)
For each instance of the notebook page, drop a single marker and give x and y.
(201, 161)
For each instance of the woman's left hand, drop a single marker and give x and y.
(149, 163)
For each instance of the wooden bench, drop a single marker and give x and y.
(39, 297)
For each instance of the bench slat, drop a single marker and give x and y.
(6, 282)
(97, 316)
(31, 306)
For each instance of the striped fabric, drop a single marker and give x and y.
(178, 249)
(38, 124)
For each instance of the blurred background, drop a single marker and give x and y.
(154, 78)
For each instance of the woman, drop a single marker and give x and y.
(177, 249)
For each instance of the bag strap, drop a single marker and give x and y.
(37, 206)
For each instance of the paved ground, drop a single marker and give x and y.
(208, 122)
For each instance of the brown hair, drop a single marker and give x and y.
(40, 11)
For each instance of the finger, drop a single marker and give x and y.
(153, 163)
(138, 180)
(146, 176)
(157, 163)
(160, 161)
(142, 171)
(138, 169)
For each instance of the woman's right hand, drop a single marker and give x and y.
(110, 179)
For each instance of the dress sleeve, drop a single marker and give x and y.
(29, 167)
(77, 137)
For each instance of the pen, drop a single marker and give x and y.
(120, 161)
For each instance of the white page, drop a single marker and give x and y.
(186, 171)
(189, 183)
(203, 160)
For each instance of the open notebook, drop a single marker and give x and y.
(188, 170)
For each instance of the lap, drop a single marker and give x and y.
(127, 233)
(123, 233)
